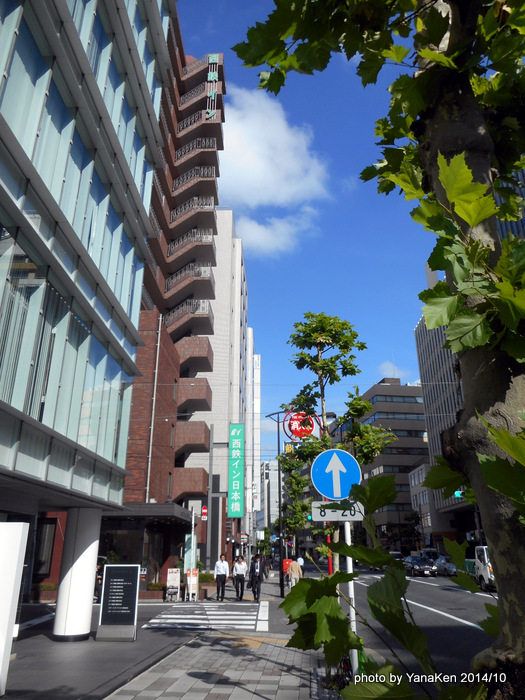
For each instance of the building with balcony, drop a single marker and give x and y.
(176, 319)
(235, 385)
(80, 101)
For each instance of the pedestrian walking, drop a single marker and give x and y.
(220, 574)
(256, 577)
(295, 572)
(240, 569)
(300, 561)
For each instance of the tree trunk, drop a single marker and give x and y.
(493, 387)
(493, 384)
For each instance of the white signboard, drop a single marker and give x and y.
(322, 511)
(13, 539)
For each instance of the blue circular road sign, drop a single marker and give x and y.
(334, 472)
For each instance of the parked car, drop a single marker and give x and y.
(419, 566)
(444, 566)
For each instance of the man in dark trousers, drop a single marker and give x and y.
(256, 577)
(220, 574)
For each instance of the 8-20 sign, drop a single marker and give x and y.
(321, 511)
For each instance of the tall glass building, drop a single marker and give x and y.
(79, 141)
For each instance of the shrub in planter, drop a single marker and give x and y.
(154, 586)
(48, 586)
(206, 578)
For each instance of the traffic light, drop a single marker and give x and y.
(309, 516)
(459, 493)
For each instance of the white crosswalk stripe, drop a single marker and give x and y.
(207, 615)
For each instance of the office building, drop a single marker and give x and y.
(398, 408)
(79, 142)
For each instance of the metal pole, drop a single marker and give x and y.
(281, 572)
(281, 568)
(351, 597)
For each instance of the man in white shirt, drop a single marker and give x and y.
(240, 569)
(220, 574)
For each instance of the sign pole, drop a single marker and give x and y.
(351, 597)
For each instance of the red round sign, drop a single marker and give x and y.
(204, 510)
(300, 425)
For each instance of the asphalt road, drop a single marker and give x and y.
(447, 614)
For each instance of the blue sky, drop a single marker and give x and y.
(315, 237)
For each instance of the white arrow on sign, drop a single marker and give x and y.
(336, 467)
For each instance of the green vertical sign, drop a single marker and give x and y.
(236, 471)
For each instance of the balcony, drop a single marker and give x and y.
(197, 173)
(196, 352)
(200, 210)
(196, 244)
(193, 394)
(192, 436)
(192, 316)
(189, 482)
(194, 279)
(200, 181)
(208, 119)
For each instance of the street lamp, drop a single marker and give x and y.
(281, 571)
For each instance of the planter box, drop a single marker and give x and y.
(151, 595)
(46, 596)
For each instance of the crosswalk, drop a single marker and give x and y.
(213, 615)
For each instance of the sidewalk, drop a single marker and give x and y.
(223, 667)
(166, 664)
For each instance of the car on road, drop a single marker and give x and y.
(419, 566)
(444, 566)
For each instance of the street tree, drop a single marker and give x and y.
(326, 347)
(454, 139)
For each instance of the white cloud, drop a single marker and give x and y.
(267, 161)
(389, 369)
(275, 235)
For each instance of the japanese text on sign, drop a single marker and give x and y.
(236, 472)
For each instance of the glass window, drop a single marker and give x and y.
(77, 183)
(23, 97)
(54, 137)
(97, 43)
(9, 434)
(83, 474)
(61, 463)
(32, 453)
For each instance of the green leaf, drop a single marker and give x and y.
(460, 188)
(456, 552)
(376, 558)
(379, 491)
(468, 329)
(441, 476)
(465, 581)
(491, 625)
(440, 310)
(396, 53)
(504, 477)
(510, 304)
(514, 346)
(476, 212)
(437, 57)
(513, 445)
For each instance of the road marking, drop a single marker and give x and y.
(262, 618)
(207, 616)
(440, 612)
(427, 583)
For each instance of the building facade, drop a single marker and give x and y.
(398, 408)
(235, 388)
(79, 143)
